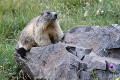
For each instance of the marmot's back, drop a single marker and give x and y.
(27, 36)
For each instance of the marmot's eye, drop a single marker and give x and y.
(48, 12)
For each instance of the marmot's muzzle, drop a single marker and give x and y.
(54, 17)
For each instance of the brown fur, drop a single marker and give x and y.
(40, 33)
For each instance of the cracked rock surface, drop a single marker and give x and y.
(86, 53)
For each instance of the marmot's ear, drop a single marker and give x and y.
(42, 13)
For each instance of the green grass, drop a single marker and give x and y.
(15, 14)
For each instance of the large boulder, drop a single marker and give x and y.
(85, 53)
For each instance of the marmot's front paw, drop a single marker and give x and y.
(22, 52)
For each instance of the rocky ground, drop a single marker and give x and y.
(85, 53)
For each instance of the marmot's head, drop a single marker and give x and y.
(47, 17)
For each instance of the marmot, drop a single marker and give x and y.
(40, 31)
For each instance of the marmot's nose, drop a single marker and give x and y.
(55, 16)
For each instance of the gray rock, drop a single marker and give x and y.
(51, 62)
(81, 52)
(97, 64)
(88, 59)
(78, 51)
(84, 54)
(97, 38)
(85, 75)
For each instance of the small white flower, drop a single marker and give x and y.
(86, 14)
(100, 0)
(98, 11)
(87, 4)
(1, 66)
(102, 11)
